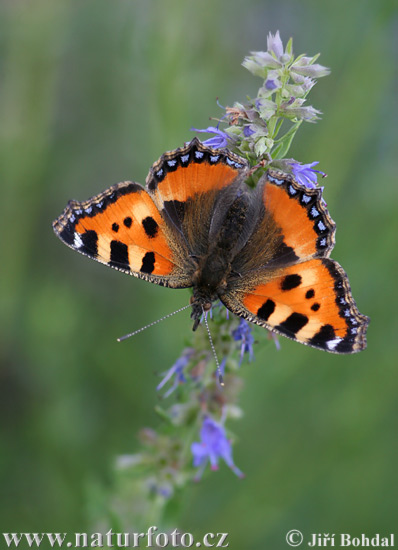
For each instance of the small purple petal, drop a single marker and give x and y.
(276, 340)
(244, 334)
(305, 174)
(213, 446)
(220, 140)
(176, 372)
(270, 85)
(247, 131)
(200, 453)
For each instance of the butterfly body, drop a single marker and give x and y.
(214, 271)
(263, 252)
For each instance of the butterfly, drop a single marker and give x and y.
(263, 252)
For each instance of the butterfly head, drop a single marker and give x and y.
(200, 305)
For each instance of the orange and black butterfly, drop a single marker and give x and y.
(264, 252)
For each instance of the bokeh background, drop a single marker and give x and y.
(91, 94)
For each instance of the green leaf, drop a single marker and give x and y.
(289, 46)
(285, 142)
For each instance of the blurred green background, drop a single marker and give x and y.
(91, 94)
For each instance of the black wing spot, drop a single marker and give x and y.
(294, 323)
(291, 281)
(266, 310)
(310, 294)
(90, 243)
(315, 307)
(115, 227)
(119, 255)
(148, 263)
(127, 221)
(323, 336)
(151, 227)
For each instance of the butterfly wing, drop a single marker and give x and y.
(123, 228)
(287, 283)
(155, 233)
(192, 187)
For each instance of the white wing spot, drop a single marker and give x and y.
(214, 158)
(159, 173)
(321, 226)
(314, 212)
(292, 190)
(199, 154)
(77, 243)
(332, 344)
(184, 158)
(171, 162)
(306, 199)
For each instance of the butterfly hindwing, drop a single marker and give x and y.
(310, 302)
(123, 229)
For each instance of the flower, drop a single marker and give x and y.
(213, 446)
(248, 130)
(271, 84)
(219, 141)
(244, 334)
(176, 371)
(275, 46)
(266, 108)
(275, 57)
(305, 174)
(294, 109)
(305, 66)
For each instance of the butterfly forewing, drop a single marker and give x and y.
(187, 185)
(123, 228)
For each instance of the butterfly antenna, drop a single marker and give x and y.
(153, 323)
(220, 376)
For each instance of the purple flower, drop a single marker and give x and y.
(244, 334)
(274, 44)
(219, 141)
(305, 174)
(248, 130)
(213, 446)
(270, 84)
(274, 337)
(176, 371)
